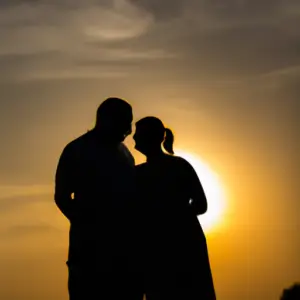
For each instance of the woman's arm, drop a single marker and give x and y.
(64, 183)
(195, 190)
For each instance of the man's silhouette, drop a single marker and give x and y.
(94, 189)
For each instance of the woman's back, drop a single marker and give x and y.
(165, 181)
(169, 225)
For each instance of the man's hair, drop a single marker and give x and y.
(114, 108)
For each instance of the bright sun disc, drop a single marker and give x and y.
(213, 191)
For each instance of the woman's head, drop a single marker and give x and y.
(114, 118)
(150, 134)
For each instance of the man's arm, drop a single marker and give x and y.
(64, 183)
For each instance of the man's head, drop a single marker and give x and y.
(114, 118)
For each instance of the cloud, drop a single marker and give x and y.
(222, 41)
(19, 199)
(14, 196)
(24, 230)
(116, 39)
(162, 10)
(24, 191)
(234, 12)
(43, 39)
(29, 211)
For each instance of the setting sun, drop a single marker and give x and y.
(213, 190)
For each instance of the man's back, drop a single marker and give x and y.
(101, 177)
(95, 190)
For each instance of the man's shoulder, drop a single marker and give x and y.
(77, 144)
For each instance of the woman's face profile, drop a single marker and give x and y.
(141, 138)
(146, 138)
(138, 138)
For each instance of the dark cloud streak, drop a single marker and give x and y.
(231, 38)
(19, 231)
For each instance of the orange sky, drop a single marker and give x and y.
(223, 77)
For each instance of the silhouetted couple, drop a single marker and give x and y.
(133, 229)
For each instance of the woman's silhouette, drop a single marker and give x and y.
(175, 258)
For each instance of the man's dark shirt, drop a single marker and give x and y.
(101, 179)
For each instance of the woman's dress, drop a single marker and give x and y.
(174, 254)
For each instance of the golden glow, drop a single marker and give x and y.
(213, 190)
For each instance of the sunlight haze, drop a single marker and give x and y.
(214, 191)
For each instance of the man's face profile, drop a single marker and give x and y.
(115, 118)
(118, 127)
(124, 127)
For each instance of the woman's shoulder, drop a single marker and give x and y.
(178, 160)
(181, 164)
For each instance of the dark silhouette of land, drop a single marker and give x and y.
(291, 293)
(174, 257)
